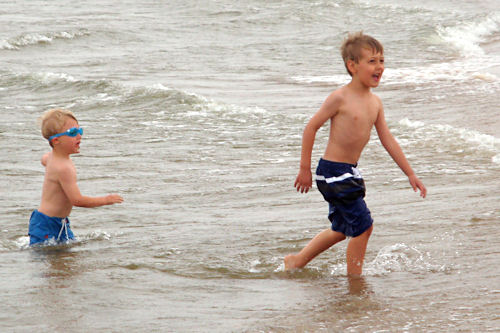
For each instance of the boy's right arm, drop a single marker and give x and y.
(67, 179)
(328, 110)
(45, 158)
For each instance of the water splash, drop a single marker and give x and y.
(402, 258)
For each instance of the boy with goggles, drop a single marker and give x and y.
(60, 191)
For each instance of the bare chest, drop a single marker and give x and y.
(358, 115)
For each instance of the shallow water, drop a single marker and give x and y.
(194, 113)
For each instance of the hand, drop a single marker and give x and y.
(113, 198)
(303, 182)
(416, 184)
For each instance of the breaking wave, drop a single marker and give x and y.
(29, 39)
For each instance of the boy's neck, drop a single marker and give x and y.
(357, 86)
(60, 154)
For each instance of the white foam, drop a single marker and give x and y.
(160, 86)
(253, 266)
(49, 77)
(5, 45)
(22, 242)
(280, 268)
(322, 79)
(449, 72)
(39, 38)
(411, 123)
(402, 258)
(97, 235)
(470, 137)
(212, 105)
(201, 106)
(467, 38)
(435, 74)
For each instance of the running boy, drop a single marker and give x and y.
(352, 111)
(60, 191)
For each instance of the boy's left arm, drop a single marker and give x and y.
(391, 145)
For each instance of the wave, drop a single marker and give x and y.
(322, 79)
(434, 74)
(39, 81)
(458, 140)
(105, 94)
(437, 74)
(29, 39)
(468, 37)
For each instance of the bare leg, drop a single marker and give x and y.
(318, 244)
(356, 252)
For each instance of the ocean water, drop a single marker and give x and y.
(193, 112)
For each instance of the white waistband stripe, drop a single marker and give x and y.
(346, 175)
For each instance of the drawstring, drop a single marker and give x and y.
(63, 227)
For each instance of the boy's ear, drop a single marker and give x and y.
(351, 65)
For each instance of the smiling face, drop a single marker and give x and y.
(369, 68)
(68, 144)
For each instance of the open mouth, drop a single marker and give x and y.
(376, 77)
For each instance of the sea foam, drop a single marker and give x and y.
(478, 139)
(15, 43)
(436, 74)
(467, 38)
(398, 257)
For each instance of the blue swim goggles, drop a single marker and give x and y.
(72, 132)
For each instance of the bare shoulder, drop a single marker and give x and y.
(334, 101)
(61, 168)
(338, 96)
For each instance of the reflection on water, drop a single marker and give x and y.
(61, 263)
(58, 268)
(336, 302)
(358, 286)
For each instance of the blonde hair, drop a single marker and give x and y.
(352, 45)
(52, 122)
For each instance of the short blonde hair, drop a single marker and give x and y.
(352, 45)
(52, 122)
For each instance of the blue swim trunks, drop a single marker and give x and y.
(344, 189)
(43, 228)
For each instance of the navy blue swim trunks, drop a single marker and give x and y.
(343, 188)
(43, 228)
